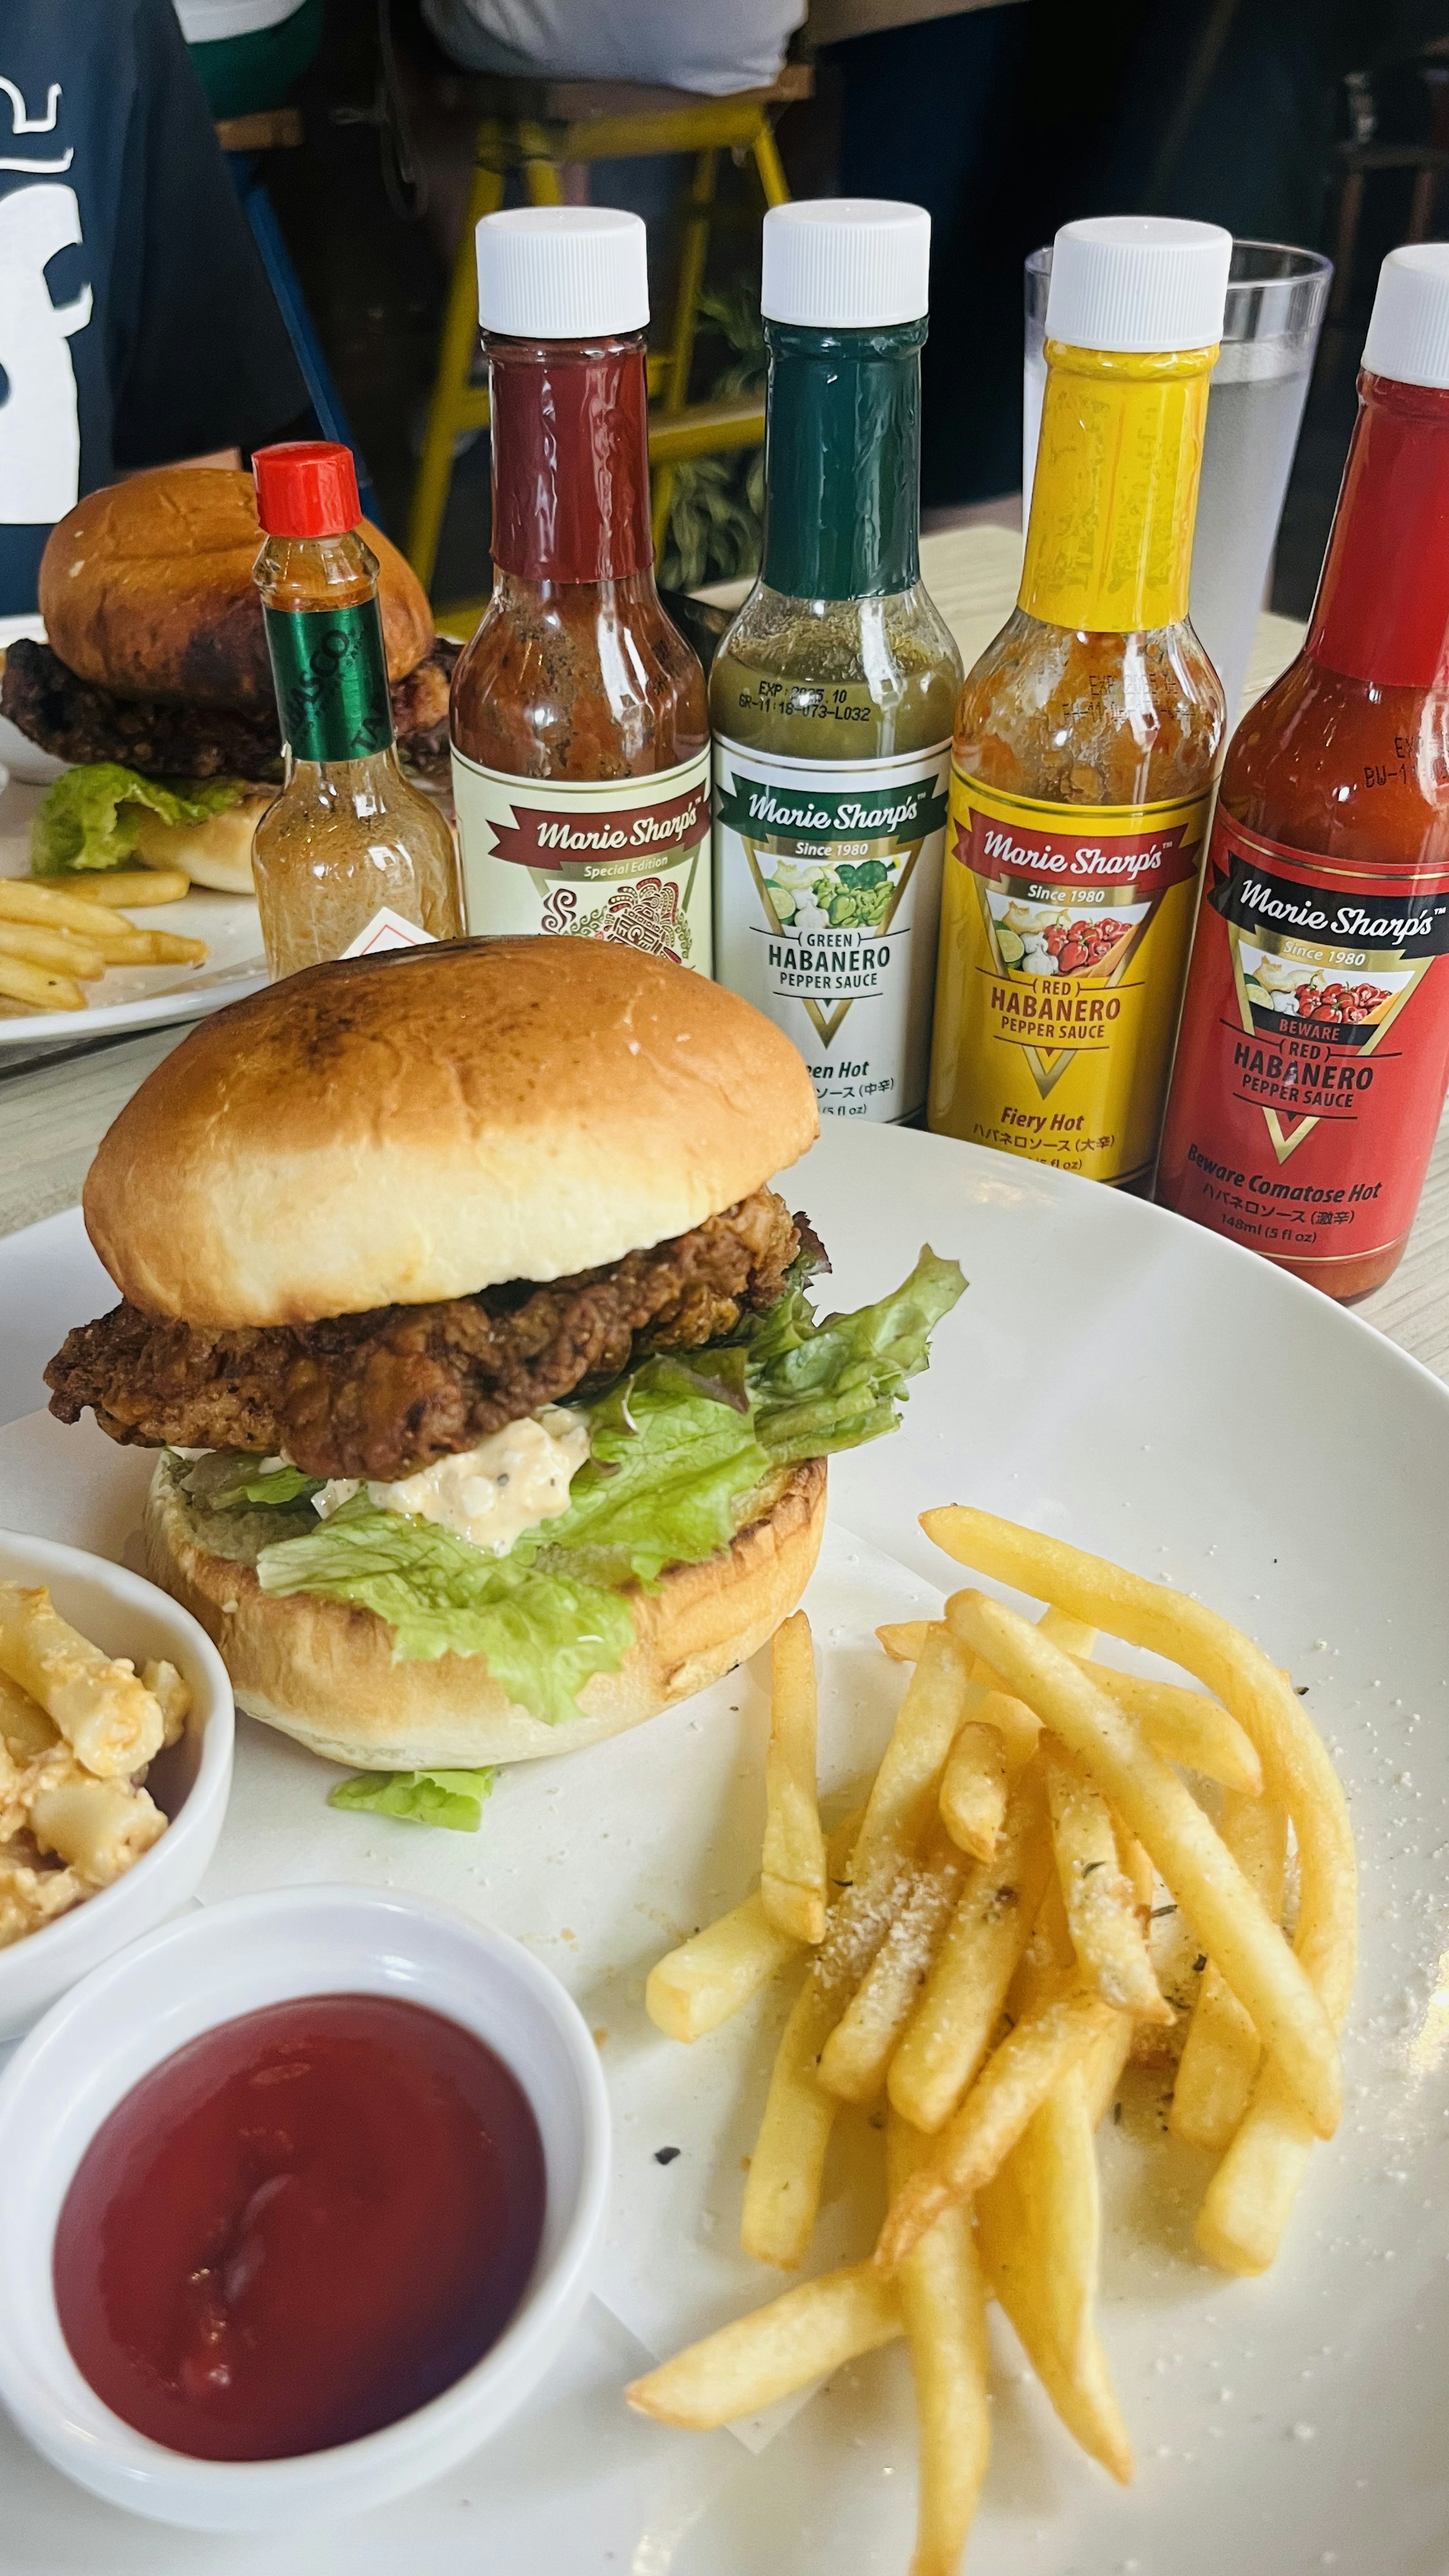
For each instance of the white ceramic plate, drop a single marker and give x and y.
(139, 997)
(1124, 1379)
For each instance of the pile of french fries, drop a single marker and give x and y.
(54, 941)
(978, 1971)
(77, 1731)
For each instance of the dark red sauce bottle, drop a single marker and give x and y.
(579, 720)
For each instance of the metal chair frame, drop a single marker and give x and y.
(538, 148)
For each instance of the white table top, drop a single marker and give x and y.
(53, 1115)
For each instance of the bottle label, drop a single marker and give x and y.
(330, 673)
(1314, 1055)
(827, 897)
(388, 929)
(616, 858)
(1063, 943)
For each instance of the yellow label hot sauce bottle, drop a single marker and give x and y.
(1088, 734)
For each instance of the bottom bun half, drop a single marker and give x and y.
(323, 1672)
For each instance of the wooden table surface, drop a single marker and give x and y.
(53, 1115)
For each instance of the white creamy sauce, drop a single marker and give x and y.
(489, 1495)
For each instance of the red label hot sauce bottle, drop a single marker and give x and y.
(580, 723)
(1314, 1052)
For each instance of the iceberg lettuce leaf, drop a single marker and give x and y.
(543, 1633)
(451, 1798)
(89, 817)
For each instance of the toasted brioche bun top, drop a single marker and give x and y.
(146, 589)
(421, 1124)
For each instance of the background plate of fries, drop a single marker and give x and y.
(1126, 1385)
(75, 966)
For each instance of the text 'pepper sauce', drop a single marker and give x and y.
(301, 2227)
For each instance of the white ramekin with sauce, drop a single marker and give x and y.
(186, 1980)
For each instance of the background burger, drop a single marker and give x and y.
(495, 1411)
(155, 679)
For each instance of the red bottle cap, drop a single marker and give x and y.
(307, 487)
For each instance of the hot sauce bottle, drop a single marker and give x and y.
(1314, 1054)
(351, 857)
(579, 723)
(1088, 733)
(832, 693)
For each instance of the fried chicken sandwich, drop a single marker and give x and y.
(155, 681)
(492, 1410)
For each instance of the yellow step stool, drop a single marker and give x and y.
(537, 128)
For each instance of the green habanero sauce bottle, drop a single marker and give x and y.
(833, 694)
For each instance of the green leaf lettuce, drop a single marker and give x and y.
(89, 817)
(451, 1798)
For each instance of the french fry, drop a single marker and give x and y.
(1249, 2201)
(899, 1807)
(63, 951)
(130, 947)
(714, 1974)
(711, 1977)
(804, 2334)
(943, 2302)
(792, 1873)
(854, 2059)
(1102, 2068)
(38, 987)
(936, 1700)
(1072, 1635)
(1297, 1773)
(1101, 1907)
(1011, 2087)
(1156, 1805)
(904, 1639)
(782, 2196)
(22, 900)
(973, 1788)
(951, 2028)
(134, 887)
(106, 1715)
(1220, 2057)
(1038, 2231)
(1185, 1727)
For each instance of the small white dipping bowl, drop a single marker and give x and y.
(125, 1615)
(230, 1959)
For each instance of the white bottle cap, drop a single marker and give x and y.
(846, 263)
(1408, 332)
(1138, 282)
(562, 273)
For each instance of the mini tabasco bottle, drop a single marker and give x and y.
(351, 857)
(1088, 734)
(579, 722)
(833, 692)
(1314, 1053)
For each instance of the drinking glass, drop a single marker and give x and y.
(1275, 307)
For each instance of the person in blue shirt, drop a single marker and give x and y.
(137, 326)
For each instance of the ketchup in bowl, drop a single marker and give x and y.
(301, 2227)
